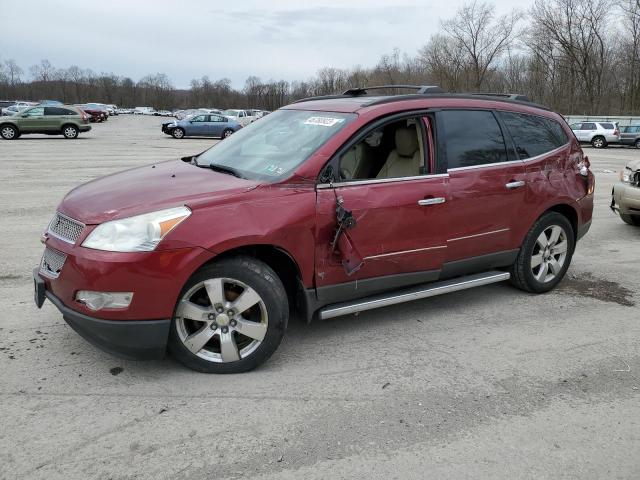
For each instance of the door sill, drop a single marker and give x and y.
(414, 293)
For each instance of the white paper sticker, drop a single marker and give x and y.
(323, 121)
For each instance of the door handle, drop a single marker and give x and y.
(431, 201)
(512, 185)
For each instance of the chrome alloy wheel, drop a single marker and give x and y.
(221, 320)
(70, 132)
(549, 254)
(8, 133)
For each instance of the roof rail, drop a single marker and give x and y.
(510, 96)
(421, 89)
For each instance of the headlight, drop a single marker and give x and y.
(626, 175)
(141, 233)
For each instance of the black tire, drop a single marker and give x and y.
(264, 281)
(522, 275)
(177, 133)
(9, 132)
(227, 133)
(637, 143)
(631, 219)
(70, 131)
(598, 142)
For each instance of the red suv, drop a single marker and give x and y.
(329, 206)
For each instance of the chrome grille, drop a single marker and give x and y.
(52, 262)
(65, 228)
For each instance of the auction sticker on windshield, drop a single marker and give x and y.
(323, 121)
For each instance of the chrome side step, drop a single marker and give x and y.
(413, 293)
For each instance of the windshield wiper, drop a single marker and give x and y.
(224, 169)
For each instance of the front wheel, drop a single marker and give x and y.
(230, 317)
(637, 144)
(598, 142)
(545, 254)
(631, 219)
(69, 131)
(177, 133)
(9, 132)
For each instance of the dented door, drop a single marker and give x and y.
(401, 227)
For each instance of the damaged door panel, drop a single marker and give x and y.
(400, 227)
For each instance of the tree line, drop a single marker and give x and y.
(575, 56)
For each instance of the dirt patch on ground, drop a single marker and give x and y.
(586, 285)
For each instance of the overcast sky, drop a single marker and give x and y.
(279, 39)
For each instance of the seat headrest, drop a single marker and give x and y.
(406, 141)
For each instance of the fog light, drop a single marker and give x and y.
(102, 300)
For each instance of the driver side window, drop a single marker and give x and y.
(394, 150)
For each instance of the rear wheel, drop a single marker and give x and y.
(69, 131)
(631, 219)
(9, 132)
(177, 132)
(545, 254)
(230, 318)
(598, 142)
(227, 133)
(637, 144)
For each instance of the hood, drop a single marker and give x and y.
(152, 187)
(634, 165)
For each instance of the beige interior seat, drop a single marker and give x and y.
(352, 163)
(405, 160)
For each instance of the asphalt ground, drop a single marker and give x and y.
(486, 383)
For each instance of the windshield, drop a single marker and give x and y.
(273, 147)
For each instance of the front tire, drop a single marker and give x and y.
(545, 254)
(9, 132)
(230, 317)
(637, 144)
(631, 219)
(598, 142)
(69, 131)
(177, 133)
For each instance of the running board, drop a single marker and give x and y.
(413, 293)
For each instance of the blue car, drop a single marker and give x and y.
(201, 125)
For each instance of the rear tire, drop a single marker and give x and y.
(637, 144)
(631, 219)
(228, 336)
(177, 133)
(9, 132)
(545, 254)
(227, 133)
(70, 131)
(598, 142)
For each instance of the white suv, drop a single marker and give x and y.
(598, 134)
(243, 117)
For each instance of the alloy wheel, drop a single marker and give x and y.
(598, 142)
(549, 254)
(221, 320)
(8, 133)
(70, 132)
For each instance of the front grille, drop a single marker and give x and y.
(65, 228)
(52, 262)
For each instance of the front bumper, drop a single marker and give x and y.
(140, 339)
(625, 199)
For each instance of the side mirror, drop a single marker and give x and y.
(24, 115)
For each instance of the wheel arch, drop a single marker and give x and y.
(279, 259)
(10, 124)
(567, 211)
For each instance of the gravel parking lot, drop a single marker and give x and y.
(486, 383)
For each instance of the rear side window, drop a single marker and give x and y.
(533, 135)
(470, 138)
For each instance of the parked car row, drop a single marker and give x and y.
(603, 134)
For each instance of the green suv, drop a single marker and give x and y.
(52, 120)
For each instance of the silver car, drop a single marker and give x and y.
(625, 196)
(598, 134)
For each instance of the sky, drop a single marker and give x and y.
(279, 39)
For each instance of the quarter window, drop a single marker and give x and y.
(471, 138)
(533, 135)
